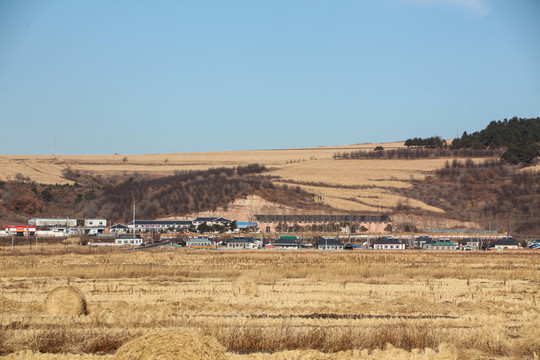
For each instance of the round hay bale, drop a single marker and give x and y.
(172, 344)
(245, 287)
(65, 301)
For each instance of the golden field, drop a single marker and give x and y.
(47, 169)
(308, 304)
(297, 167)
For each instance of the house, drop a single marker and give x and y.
(385, 243)
(427, 244)
(444, 245)
(201, 242)
(285, 242)
(129, 239)
(102, 223)
(118, 229)
(94, 226)
(471, 244)
(504, 244)
(419, 241)
(241, 242)
(329, 243)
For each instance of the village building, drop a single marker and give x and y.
(210, 221)
(388, 244)
(53, 222)
(159, 225)
(129, 239)
(68, 226)
(372, 223)
(118, 229)
(419, 241)
(427, 243)
(471, 244)
(201, 242)
(329, 243)
(504, 244)
(285, 242)
(444, 245)
(241, 242)
(19, 230)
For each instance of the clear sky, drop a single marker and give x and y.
(134, 77)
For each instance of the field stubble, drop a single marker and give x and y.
(309, 305)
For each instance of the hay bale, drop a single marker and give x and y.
(65, 301)
(245, 287)
(172, 344)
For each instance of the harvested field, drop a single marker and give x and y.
(308, 305)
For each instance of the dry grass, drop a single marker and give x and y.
(48, 169)
(310, 305)
(310, 165)
(366, 199)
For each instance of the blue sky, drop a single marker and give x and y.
(134, 77)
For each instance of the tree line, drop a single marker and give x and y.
(515, 141)
(519, 137)
(429, 143)
(417, 153)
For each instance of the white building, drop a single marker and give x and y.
(388, 244)
(240, 242)
(95, 223)
(200, 242)
(53, 222)
(127, 239)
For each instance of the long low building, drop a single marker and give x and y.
(371, 223)
(159, 224)
(52, 222)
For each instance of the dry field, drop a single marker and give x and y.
(373, 179)
(47, 169)
(305, 305)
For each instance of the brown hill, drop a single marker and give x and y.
(90, 185)
(301, 167)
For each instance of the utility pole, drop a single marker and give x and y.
(133, 225)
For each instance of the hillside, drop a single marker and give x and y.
(347, 185)
(412, 189)
(495, 195)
